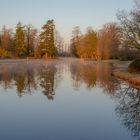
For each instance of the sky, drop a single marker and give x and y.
(66, 13)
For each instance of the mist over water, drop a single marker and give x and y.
(66, 99)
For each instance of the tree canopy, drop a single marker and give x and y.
(130, 24)
(47, 41)
(20, 46)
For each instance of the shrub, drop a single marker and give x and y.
(5, 54)
(134, 67)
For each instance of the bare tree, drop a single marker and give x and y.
(59, 43)
(30, 39)
(6, 38)
(109, 41)
(130, 24)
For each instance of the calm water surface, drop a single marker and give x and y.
(66, 99)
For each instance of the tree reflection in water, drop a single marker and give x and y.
(93, 75)
(28, 76)
(126, 96)
(128, 108)
(47, 80)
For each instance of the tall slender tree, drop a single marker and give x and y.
(31, 34)
(5, 38)
(20, 46)
(75, 41)
(59, 43)
(47, 41)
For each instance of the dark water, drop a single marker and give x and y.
(66, 100)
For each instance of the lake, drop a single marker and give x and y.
(66, 99)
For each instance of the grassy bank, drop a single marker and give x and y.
(131, 78)
(121, 71)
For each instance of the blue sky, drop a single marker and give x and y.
(66, 13)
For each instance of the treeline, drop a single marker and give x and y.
(113, 41)
(27, 41)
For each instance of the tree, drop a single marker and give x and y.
(84, 46)
(89, 44)
(6, 38)
(59, 43)
(75, 41)
(109, 41)
(130, 24)
(6, 43)
(20, 46)
(30, 39)
(47, 41)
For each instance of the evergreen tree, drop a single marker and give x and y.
(47, 43)
(20, 46)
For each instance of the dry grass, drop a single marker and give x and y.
(131, 78)
(121, 72)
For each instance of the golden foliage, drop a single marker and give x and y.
(5, 54)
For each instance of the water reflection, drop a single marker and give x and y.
(47, 80)
(126, 96)
(94, 74)
(128, 108)
(27, 77)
